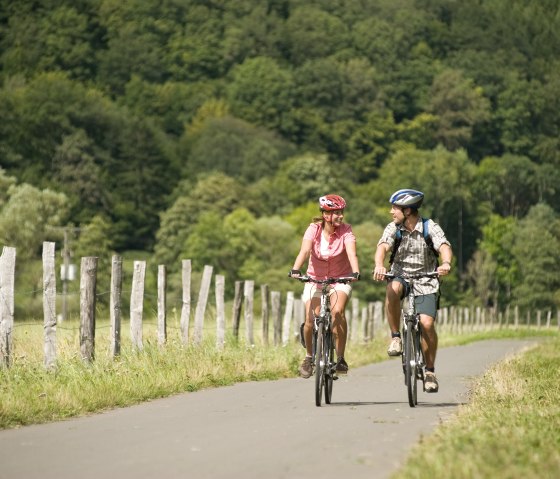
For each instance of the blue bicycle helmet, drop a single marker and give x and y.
(407, 198)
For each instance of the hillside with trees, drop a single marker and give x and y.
(208, 129)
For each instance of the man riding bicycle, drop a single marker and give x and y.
(330, 246)
(413, 256)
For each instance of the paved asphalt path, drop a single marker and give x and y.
(265, 430)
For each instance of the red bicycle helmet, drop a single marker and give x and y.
(332, 203)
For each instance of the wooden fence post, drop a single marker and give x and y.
(137, 304)
(49, 305)
(88, 283)
(276, 313)
(364, 323)
(264, 312)
(7, 280)
(353, 327)
(237, 304)
(298, 317)
(287, 317)
(201, 303)
(248, 291)
(220, 312)
(161, 305)
(115, 306)
(186, 304)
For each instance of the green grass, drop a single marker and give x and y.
(510, 428)
(29, 394)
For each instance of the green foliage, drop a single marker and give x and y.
(132, 110)
(535, 248)
(27, 216)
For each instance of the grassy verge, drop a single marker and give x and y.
(509, 429)
(30, 395)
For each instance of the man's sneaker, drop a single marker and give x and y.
(430, 382)
(395, 348)
(341, 366)
(306, 368)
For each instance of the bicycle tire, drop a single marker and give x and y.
(410, 365)
(329, 370)
(319, 364)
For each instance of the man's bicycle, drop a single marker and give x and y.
(413, 356)
(323, 340)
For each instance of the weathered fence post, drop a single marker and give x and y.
(49, 305)
(276, 313)
(298, 317)
(548, 318)
(161, 305)
(115, 306)
(88, 283)
(237, 303)
(201, 303)
(264, 312)
(137, 303)
(7, 279)
(186, 304)
(287, 317)
(353, 325)
(248, 291)
(220, 312)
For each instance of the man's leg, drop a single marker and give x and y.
(393, 310)
(429, 346)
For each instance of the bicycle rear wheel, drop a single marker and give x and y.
(410, 364)
(319, 364)
(329, 369)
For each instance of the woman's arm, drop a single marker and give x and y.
(352, 256)
(303, 254)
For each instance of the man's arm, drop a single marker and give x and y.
(446, 254)
(379, 269)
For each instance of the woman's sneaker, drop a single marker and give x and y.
(430, 382)
(395, 348)
(306, 368)
(341, 366)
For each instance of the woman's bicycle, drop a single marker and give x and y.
(323, 340)
(413, 357)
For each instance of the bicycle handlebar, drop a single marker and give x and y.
(309, 279)
(432, 274)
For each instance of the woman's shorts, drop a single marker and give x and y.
(314, 290)
(425, 304)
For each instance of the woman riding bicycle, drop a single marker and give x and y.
(330, 246)
(413, 256)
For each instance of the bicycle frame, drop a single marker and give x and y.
(413, 356)
(323, 341)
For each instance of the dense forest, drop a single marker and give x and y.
(208, 129)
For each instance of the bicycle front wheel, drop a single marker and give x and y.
(329, 369)
(319, 364)
(410, 364)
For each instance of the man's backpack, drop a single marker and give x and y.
(425, 234)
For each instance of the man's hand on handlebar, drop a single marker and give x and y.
(379, 273)
(444, 268)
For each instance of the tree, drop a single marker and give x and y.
(216, 193)
(535, 248)
(27, 216)
(236, 148)
(458, 105)
(261, 92)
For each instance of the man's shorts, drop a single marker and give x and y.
(425, 304)
(314, 290)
